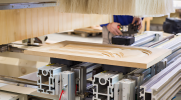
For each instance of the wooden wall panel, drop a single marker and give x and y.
(21, 24)
(2, 25)
(28, 23)
(40, 22)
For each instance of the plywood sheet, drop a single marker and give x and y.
(102, 53)
(19, 24)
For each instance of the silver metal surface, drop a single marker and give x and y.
(174, 59)
(162, 82)
(89, 75)
(104, 84)
(144, 41)
(146, 78)
(161, 65)
(49, 79)
(126, 89)
(80, 79)
(23, 6)
(90, 68)
(142, 36)
(173, 44)
(173, 55)
(68, 85)
(149, 38)
(24, 1)
(146, 72)
(138, 81)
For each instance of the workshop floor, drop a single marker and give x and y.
(58, 37)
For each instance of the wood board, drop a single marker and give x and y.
(87, 31)
(25, 90)
(102, 53)
(19, 24)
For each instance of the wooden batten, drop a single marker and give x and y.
(19, 24)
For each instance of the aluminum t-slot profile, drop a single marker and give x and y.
(174, 58)
(138, 80)
(124, 90)
(161, 65)
(68, 85)
(146, 88)
(173, 44)
(167, 83)
(104, 85)
(80, 78)
(49, 79)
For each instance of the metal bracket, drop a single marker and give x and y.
(26, 5)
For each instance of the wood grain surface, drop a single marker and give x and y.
(103, 54)
(19, 24)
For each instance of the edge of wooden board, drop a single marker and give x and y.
(137, 63)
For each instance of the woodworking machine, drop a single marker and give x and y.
(74, 80)
(44, 78)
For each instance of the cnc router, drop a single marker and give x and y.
(83, 71)
(92, 80)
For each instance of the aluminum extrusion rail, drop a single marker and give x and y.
(24, 1)
(145, 40)
(162, 41)
(173, 57)
(29, 5)
(165, 82)
(173, 44)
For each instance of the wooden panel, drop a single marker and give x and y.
(3, 26)
(103, 54)
(17, 67)
(56, 27)
(21, 24)
(40, 22)
(35, 22)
